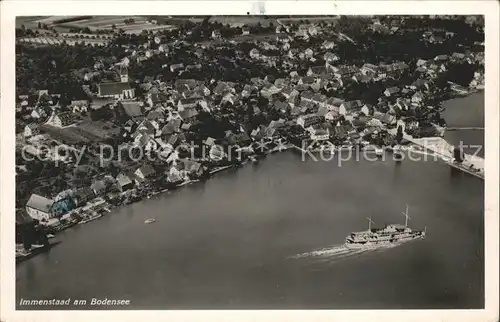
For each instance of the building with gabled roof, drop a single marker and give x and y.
(116, 90)
(124, 182)
(350, 107)
(40, 208)
(391, 91)
(132, 109)
(31, 130)
(62, 119)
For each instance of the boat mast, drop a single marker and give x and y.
(406, 215)
(370, 223)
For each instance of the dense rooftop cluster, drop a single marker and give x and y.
(199, 92)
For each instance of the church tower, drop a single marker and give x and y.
(123, 74)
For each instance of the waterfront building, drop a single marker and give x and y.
(40, 208)
(144, 173)
(124, 182)
(319, 134)
(98, 187)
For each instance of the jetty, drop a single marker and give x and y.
(465, 128)
(471, 164)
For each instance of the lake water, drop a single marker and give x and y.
(229, 243)
(466, 112)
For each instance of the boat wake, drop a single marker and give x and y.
(337, 252)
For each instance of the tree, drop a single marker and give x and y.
(462, 74)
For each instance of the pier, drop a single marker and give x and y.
(444, 150)
(464, 128)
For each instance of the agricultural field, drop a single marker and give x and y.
(138, 28)
(64, 135)
(28, 22)
(60, 40)
(88, 36)
(85, 132)
(241, 38)
(247, 20)
(103, 22)
(298, 20)
(98, 129)
(107, 22)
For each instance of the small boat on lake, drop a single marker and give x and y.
(398, 154)
(149, 221)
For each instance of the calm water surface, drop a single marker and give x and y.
(227, 243)
(466, 112)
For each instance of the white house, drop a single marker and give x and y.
(31, 130)
(229, 97)
(308, 120)
(328, 44)
(61, 119)
(391, 91)
(330, 57)
(369, 69)
(216, 152)
(367, 109)
(350, 107)
(176, 67)
(421, 62)
(331, 115)
(79, 106)
(190, 102)
(174, 175)
(403, 105)
(417, 97)
(314, 30)
(320, 134)
(216, 34)
(143, 173)
(269, 90)
(308, 53)
(40, 208)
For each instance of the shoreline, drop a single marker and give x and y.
(108, 207)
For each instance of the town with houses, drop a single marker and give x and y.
(197, 96)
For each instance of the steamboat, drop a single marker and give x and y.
(382, 237)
